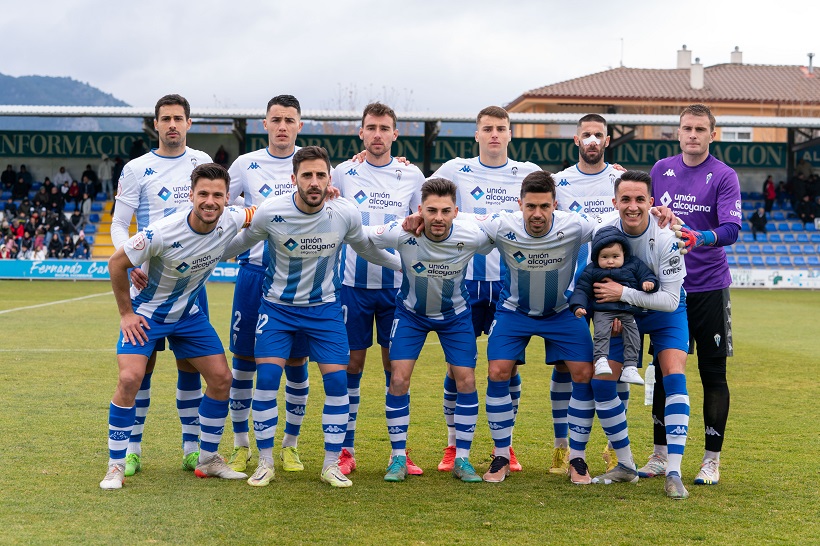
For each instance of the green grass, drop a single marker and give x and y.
(58, 371)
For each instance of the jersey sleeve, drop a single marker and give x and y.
(728, 200)
(237, 184)
(446, 171)
(385, 236)
(129, 188)
(142, 246)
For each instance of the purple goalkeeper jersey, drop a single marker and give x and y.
(703, 197)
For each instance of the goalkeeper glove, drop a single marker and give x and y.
(692, 238)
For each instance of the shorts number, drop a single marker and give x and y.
(393, 328)
(238, 316)
(491, 328)
(263, 320)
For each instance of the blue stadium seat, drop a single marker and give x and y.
(94, 218)
(815, 238)
(813, 261)
(757, 196)
(740, 248)
(5, 195)
(757, 261)
(775, 238)
(781, 249)
(797, 226)
(795, 249)
(799, 261)
(101, 197)
(778, 215)
(808, 249)
(754, 249)
(90, 228)
(810, 227)
(789, 238)
(31, 194)
(802, 238)
(744, 226)
(771, 261)
(745, 195)
(729, 249)
(731, 260)
(36, 185)
(90, 239)
(783, 226)
(768, 249)
(748, 206)
(69, 206)
(96, 207)
(784, 261)
(748, 238)
(743, 261)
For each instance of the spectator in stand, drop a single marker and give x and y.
(9, 209)
(56, 203)
(105, 172)
(68, 248)
(8, 178)
(42, 198)
(55, 247)
(91, 174)
(20, 189)
(82, 250)
(7, 250)
(74, 195)
(17, 230)
(805, 210)
(119, 164)
(798, 190)
(26, 252)
(77, 220)
(85, 205)
(39, 237)
(65, 187)
(32, 223)
(25, 175)
(221, 156)
(39, 252)
(62, 176)
(782, 194)
(27, 242)
(48, 184)
(769, 193)
(25, 207)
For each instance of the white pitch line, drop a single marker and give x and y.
(54, 303)
(28, 350)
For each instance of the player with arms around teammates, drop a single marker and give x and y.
(705, 193)
(151, 187)
(383, 189)
(486, 184)
(179, 253)
(257, 176)
(300, 294)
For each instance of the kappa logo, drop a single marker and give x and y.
(419, 268)
(253, 166)
(471, 429)
(717, 339)
(674, 248)
(118, 435)
(237, 405)
(495, 426)
(511, 236)
(164, 193)
(466, 169)
(176, 244)
(679, 430)
(563, 182)
(334, 429)
(449, 411)
(149, 171)
(149, 234)
(579, 429)
(297, 410)
(264, 190)
(411, 241)
(669, 172)
(360, 197)
(666, 199)
(710, 431)
(352, 172)
(395, 430)
(277, 218)
(183, 267)
(291, 245)
(519, 256)
(259, 426)
(477, 193)
(657, 421)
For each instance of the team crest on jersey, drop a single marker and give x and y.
(612, 178)
(514, 171)
(139, 241)
(219, 231)
(652, 244)
(560, 235)
(481, 217)
(460, 247)
(675, 260)
(193, 162)
(380, 229)
(398, 174)
(708, 177)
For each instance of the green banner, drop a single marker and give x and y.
(64, 144)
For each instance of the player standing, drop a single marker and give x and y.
(382, 189)
(179, 253)
(486, 184)
(151, 187)
(260, 175)
(705, 193)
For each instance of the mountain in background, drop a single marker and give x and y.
(59, 91)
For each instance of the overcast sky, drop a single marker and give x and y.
(439, 56)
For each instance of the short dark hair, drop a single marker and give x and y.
(378, 109)
(700, 110)
(288, 101)
(307, 153)
(595, 118)
(440, 187)
(210, 171)
(170, 100)
(538, 182)
(493, 112)
(634, 176)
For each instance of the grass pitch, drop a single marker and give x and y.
(58, 371)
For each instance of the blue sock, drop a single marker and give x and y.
(265, 410)
(354, 381)
(612, 416)
(580, 413)
(335, 411)
(466, 418)
(241, 393)
(676, 419)
(142, 402)
(120, 423)
(450, 408)
(297, 387)
(500, 416)
(397, 412)
(212, 416)
(560, 392)
(189, 396)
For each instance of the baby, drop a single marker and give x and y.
(611, 258)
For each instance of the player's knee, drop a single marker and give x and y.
(220, 381)
(712, 368)
(356, 364)
(581, 374)
(499, 372)
(128, 384)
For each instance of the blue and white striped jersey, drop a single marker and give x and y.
(155, 186)
(382, 194)
(538, 269)
(433, 283)
(590, 194)
(305, 249)
(260, 175)
(486, 190)
(178, 261)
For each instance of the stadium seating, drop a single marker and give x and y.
(740, 248)
(795, 249)
(754, 249)
(813, 261)
(783, 226)
(775, 238)
(778, 216)
(785, 261)
(799, 261)
(767, 249)
(757, 261)
(802, 238)
(743, 261)
(96, 207)
(789, 238)
(731, 260)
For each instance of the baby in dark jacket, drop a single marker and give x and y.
(612, 258)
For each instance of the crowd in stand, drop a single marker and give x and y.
(36, 225)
